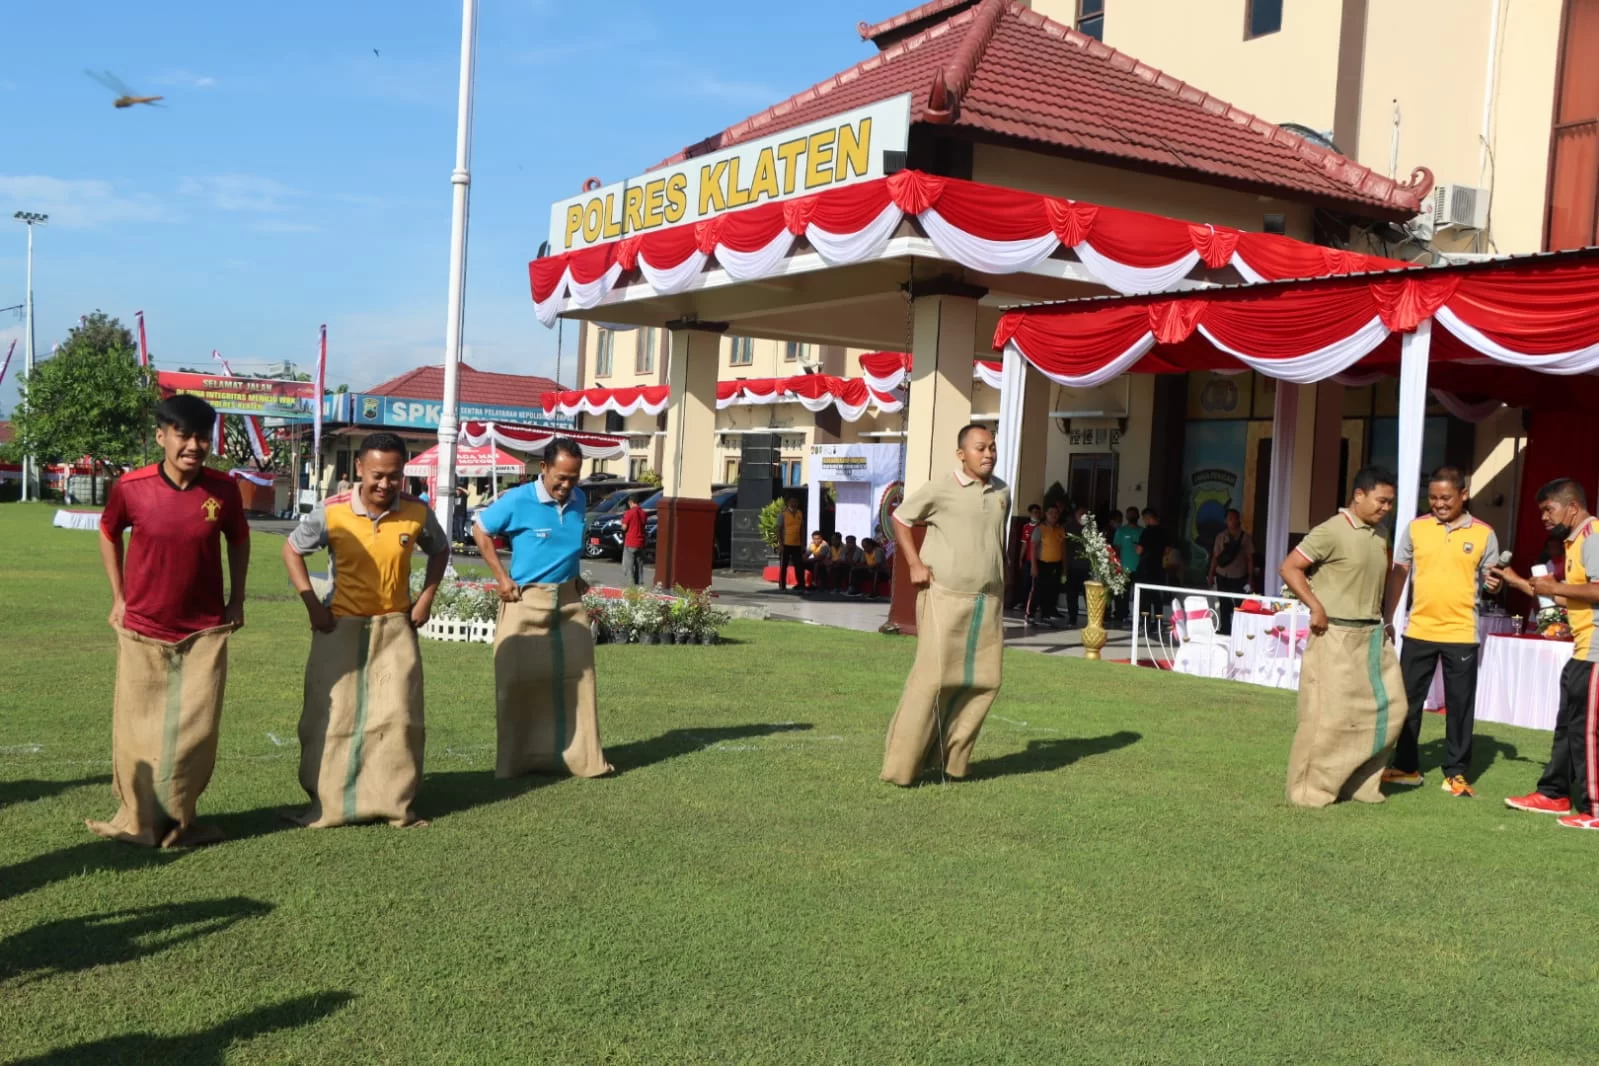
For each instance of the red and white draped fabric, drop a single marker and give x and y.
(1520, 332)
(887, 371)
(533, 439)
(648, 399)
(984, 227)
(851, 397)
(253, 431)
(253, 477)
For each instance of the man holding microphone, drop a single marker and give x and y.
(1445, 555)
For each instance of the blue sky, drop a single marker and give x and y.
(296, 178)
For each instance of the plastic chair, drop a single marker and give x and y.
(1291, 630)
(1202, 652)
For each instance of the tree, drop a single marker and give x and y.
(90, 398)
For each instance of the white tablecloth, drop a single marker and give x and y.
(1519, 682)
(1487, 625)
(77, 519)
(1258, 656)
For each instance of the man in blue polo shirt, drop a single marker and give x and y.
(547, 720)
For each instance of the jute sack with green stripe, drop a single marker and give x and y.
(1351, 708)
(164, 735)
(361, 729)
(547, 718)
(960, 641)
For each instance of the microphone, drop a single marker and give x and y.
(1504, 559)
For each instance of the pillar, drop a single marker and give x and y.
(1023, 443)
(1327, 492)
(685, 535)
(944, 342)
(1279, 487)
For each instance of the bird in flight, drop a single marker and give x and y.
(377, 53)
(126, 97)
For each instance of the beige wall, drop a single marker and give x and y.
(1288, 76)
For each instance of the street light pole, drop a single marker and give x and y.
(29, 219)
(460, 182)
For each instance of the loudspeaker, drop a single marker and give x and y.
(746, 523)
(750, 555)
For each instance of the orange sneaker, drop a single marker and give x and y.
(1579, 821)
(1391, 776)
(1538, 803)
(1458, 786)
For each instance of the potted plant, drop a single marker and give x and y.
(680, 617)
(594, 604)
(1108, 576)
(619, 621)
(648, 618)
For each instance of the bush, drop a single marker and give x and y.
(772, 522)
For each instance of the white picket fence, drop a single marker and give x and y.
(453, 629)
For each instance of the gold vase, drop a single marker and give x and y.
(1094, 631)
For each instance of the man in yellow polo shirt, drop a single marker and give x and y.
(1446, 555)
(361, 727)
(791, 539)
(1570, 783)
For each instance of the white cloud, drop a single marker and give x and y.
(240, 192)
(78, 204)
(187, 79)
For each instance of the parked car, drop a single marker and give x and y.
(603, 537)
(602, 489)
(606, 520)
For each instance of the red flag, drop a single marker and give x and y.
(144, 345)
(7, 364)
(219, 438)
(257, 438)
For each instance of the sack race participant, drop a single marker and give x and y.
(1447, 556)
(172, 627)
(546, 715)
(1569, 786)
(1351, 691)
(362, 726)
(960, 572)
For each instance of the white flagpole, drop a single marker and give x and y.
(460, 181)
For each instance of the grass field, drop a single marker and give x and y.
(1122, 881)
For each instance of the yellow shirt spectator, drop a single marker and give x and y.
(369, 557)
(1447, 565)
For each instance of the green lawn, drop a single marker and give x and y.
(1122, 881)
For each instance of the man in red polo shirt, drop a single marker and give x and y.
(172, 626)
(633, 542)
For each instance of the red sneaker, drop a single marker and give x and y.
(1538, 803)
(1579, 821)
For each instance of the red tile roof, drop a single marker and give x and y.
(474, 386)
(908, 22)
(1003, 69)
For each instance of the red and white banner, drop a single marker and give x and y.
(7, 364)
(144, 345)
(851, 397)
(983, 227)
(1500, 331)
(532, 440)
(252, 425)
(648, 399)
(483, 460)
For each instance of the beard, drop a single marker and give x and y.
(1562, 531)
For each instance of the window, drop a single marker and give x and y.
(636, 467)
(1091, 18)
(794, 352)
(605, 343)
(1262, 17)
(599, 467)
(645, 361)
(730, 472)
(743, 352)
(1571, 216)
(792, 472)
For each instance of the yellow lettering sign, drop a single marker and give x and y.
(654, 194)
(819, 158)
(712, 194)
(789, 152)
(676, 198)
(634, 206)
(854, 150)
(613, 218)
(764, 181)
(593, 217)
(736, 197)
(574, 222)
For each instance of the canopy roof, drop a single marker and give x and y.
(999, 71)
(469, 462)
(1520, 330)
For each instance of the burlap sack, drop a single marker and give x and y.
(1351, 708)
(545, 709)
(959, 644)
(164, 736)
(361, 729)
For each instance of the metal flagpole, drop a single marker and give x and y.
(461, 181)
(30, 466)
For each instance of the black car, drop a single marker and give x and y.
(602, 533)
(603, 537)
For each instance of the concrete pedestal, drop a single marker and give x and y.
(685, 542)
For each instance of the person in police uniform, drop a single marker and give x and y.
(1447, 556)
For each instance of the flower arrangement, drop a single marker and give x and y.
(1102, 561)
(461, 601)
(1553, 623)
(654, 616)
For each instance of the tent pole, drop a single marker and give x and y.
(1413, 354)
(1279, 490)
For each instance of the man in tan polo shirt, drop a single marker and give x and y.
(960, 572)
(1351, 690)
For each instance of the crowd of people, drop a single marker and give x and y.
(836, 565)
(1051, 561)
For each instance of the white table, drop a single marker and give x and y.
(1257, 655)
(1487, 626)
(65, 519)
(1519, 680)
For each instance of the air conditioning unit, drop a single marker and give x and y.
(1465, 206)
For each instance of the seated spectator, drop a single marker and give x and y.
(845, 559)
(872, 567)
(819, 561)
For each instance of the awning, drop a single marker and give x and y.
(470, 461)
(851, 397)
(534, 439)
(886, 371)
(986, 228)
(1504, 328)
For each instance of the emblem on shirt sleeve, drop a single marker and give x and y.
(1468, 547)
(405, 540)
(212, 507)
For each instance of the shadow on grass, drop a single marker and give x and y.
(1485, 751)
(207, 1047)
(91, 857)
(1043, 756)
(27, 790)
(83, 943)
(461, 790)
(677, 742)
